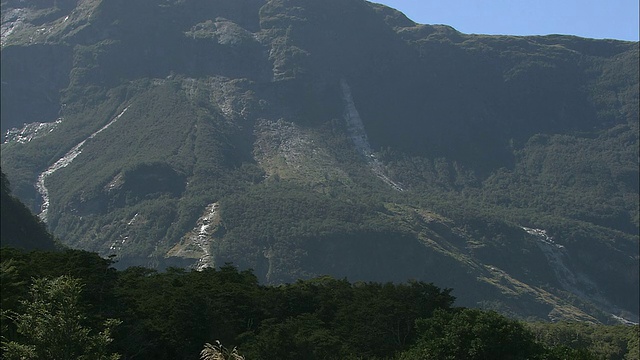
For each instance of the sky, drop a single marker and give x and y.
(599, 19)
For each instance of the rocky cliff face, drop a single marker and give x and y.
(302, 138)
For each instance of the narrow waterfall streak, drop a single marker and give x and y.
(570, 280)
(358, 136)
(64, 162)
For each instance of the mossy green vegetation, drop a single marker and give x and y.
(174, 313)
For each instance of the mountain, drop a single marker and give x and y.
(19, 227)
(301, 138)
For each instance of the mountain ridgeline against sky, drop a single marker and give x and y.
(305, 137)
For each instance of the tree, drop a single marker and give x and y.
(300, 337)
(219, 352)
(11, 289)
(52, 328)
(472, 334)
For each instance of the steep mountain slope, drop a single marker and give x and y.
(301, 137)
(19, 227)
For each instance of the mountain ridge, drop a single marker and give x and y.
(242, 104)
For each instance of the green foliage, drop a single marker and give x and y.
(286, 210)
(219, 352)
(13, 289)
(472, 334)
(613, 342)
(587, 178)
(301, 336)
(173, 314)
(53, 325)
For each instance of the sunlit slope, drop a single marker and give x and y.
(302, 138)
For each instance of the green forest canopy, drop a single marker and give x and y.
(172, 314)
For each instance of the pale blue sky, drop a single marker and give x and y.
(610, 19)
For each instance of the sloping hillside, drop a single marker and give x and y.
(20, 228)
(302, 138)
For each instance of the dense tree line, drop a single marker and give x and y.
(140, 313)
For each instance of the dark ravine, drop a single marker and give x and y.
(302, 138)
